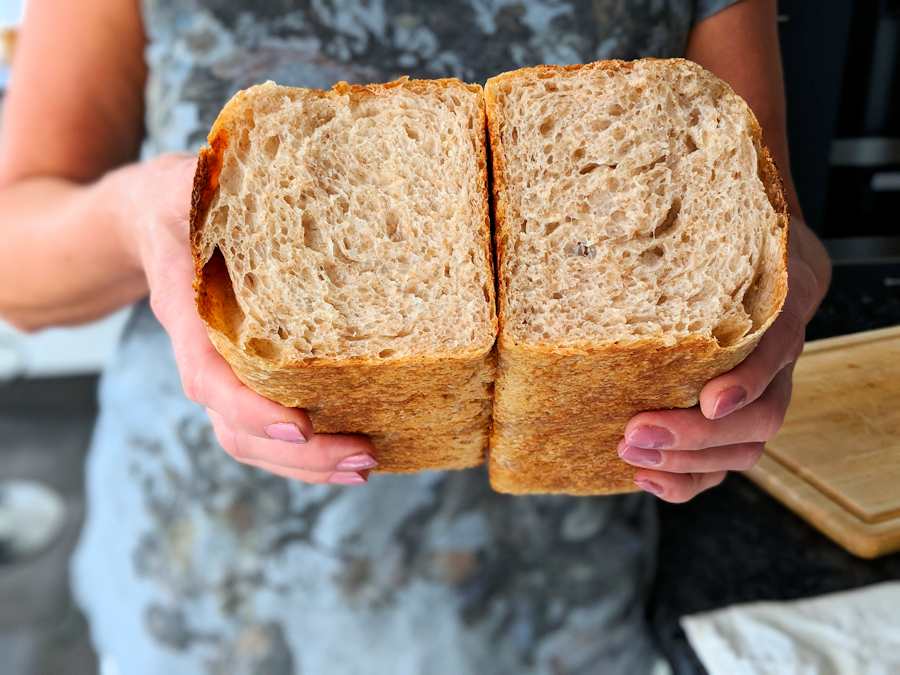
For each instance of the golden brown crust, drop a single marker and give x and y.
(424, 411)
(560, 411)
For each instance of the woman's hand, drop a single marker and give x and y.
(683, 452)
(252, 429)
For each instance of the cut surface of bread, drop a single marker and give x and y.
(641, 236)
(342, 247)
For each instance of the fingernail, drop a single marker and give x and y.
(650, 437)
(285, 431)
(729, 401)
(649, 486)
(346, 478)
(641, 456)
(356, 463)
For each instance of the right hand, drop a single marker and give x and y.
(252, 429)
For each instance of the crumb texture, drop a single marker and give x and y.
(633, 206)
(352, 223)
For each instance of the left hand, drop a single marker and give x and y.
(681, 453)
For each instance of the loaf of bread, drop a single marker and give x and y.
(342, 248)
(641, 235)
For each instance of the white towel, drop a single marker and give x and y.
(851, 633)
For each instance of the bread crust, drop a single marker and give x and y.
(427, 411)
(560, 411)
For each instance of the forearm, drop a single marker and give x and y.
(740, 45)
(65, 257)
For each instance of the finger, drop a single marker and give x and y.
(323, 452)
(689, 429)
(334, 477)
(780, 346)
(739, 457)
(228, 439)
(677, 488)
(208, 379)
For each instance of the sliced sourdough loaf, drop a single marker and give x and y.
(342, 248)
(641, 239)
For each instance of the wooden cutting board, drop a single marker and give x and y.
(836, 460)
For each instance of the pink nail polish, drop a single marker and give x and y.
(346, 478)
(356, 463)
(285, 431)
(650, 437)
(649, 486)
(641, 456)
(729, 401)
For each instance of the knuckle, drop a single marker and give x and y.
(192, 384)
(774, 421)
(674, 461)
(238, 451)
(225, 438)
(749, 457)
(683, 491)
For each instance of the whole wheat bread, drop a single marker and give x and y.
(342, 248)
(641, 244)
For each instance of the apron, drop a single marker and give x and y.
(192, 563)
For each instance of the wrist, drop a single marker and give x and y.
(116, 191)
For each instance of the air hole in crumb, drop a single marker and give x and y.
(652, 256)
(244, 141)
(487, 293)
(384, 353)
(584, 250)
(730, 330)
(312, 237)
(694, 326)
(690, 144)
(220, 217)
(270, 147)
(447, 270)
(556, 296)
(250, 202)
(550, 228)
(694, 118)
(263, 348)
(578, 154)
(750, 302)
(550, 86)
(411, 132)
(669, 220)
(618, 133)
(514, 134)
(587, 168)
(615, 110)
(546, 126)
(282, 333)
(249, 281)
(600, 125)
(661, 300)
(392, 225)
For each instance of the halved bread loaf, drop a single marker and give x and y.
(342, 248)
(641, 239)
